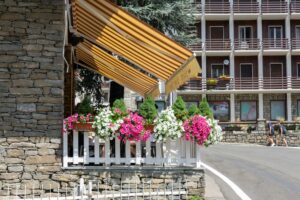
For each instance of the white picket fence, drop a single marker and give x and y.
(97, 152)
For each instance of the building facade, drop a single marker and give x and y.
(249, 55)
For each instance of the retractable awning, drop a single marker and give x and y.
(109, 30)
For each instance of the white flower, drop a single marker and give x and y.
(216, 134)
(103, 124)
(167, 126)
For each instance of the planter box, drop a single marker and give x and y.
(87, 127)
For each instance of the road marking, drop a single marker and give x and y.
(233, 186)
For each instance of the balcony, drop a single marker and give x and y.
(274, 7)
(295, 7)
(253, 83)
(217, 44)
(271, 44)
(295, 43)
(195, 47)
(249, 44)
(217, 8)
(242, 7)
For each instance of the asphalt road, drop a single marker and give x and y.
(263, 173)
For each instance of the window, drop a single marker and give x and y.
(298, 70)
(298, 36)
(277, 110)
(245, 33)
(276, 70)
(220, 110)
(248, 111)
(246, 71)
(217, 70)
(298, 108)
(275, 36)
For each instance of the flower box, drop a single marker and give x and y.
(83, 126)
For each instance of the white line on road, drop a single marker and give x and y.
(233, 186)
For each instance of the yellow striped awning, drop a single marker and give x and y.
(108, 29)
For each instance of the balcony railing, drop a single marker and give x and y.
(84, 149)
(295, 43)
(274, 7)
(195, 47)
(249, 44)
(251, 83)
(217, 8)
(295, 6)
(270, 43)
(252, 7)
(218, 44)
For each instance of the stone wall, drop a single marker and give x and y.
(259, 137)
(34, 163)
(31, 67)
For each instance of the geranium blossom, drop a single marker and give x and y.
(132, 129)
(69, 121)
(197, 128)
(167, 126)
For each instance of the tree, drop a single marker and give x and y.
(171, 17)
(193, 110)
(89, 83)
(180, 110)
(205, 109)
(148, 110)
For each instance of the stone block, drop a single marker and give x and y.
(40, 176)
(28, 107)
(30, 168)
(130, 178)
(46, 151)
(26, 176)
(50, 100)
(48, 83)
(15, 153)
(45, 168)
(23, 91)
(48, 184)
(13, 161)
(3, 167)
(65, 177)
(17, 168)
(55, 140)
(30, 184)
(47, 159)
(9, 176)
(48, 145)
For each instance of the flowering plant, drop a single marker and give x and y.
(197, 128)
(104, 125)
(167, 126)
(216, 134)
(69, 121)
(132, 129)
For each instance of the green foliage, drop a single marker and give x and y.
(196, 198)
(119, 104)
(180, 110)
(85, 107)
(148, 110)
(171, 17)
(90, 83)
(193, 110)
(205, 109)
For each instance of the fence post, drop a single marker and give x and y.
(75, 147)
(65, 148)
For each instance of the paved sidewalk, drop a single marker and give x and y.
(212, 190)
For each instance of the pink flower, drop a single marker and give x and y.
(196, 128)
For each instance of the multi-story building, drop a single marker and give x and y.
(249, 55)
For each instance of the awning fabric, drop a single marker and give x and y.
(106, 26)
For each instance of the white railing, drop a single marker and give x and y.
(96, 152)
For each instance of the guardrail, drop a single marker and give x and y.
(252, 7)
(218, 44)
(270, 43)
(274, 7)
(249, 44)
(295, 43)
(218, 8)
(93, 151)
(252, 83)
(295, 7)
